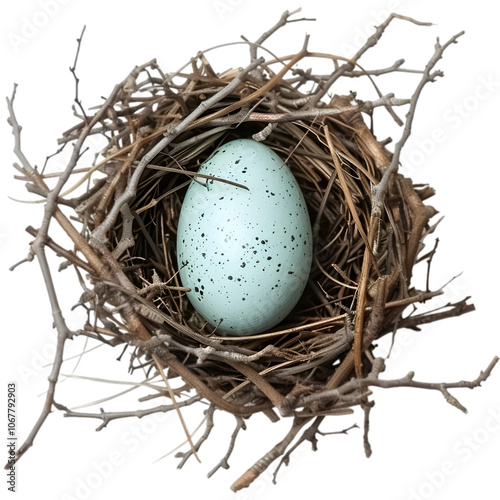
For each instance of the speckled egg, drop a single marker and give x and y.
(245, 252)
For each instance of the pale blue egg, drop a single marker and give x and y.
(244, 253)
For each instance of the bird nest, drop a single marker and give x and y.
(369, 223)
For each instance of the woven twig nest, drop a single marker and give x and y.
(369, 225)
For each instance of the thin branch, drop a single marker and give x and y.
(209, 425)
(108, 417)
(63, 333)
(224, 464)
(379, 192)
(59, 250)
(77, 80)
(284, 20)
(367, 407)
(349, 66)
(427, 77)
(261, 465)
(308, 435)
(454, 310)
(338, 394)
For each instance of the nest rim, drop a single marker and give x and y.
(335, 160)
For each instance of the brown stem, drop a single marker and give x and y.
(261, 465)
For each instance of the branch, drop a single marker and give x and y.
(240, 425)
(367, 406)
(308, 435)
(261, 465)
(108, 417)
(349, 66)
(334, 395)
(305, 114)
(456, 309)
(284, 20)
(73, 72)
(59, 250)
(427, 77)
(209, 418)
(38, 248)
(378, 197)
(63, 332)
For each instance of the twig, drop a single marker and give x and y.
(224, 464)
(379, 192)
(261, 465)
(308, 435)
(215, 398)
(380, 189)
(349, 66)
(429, 262)
(367, 406)
(259, 381)
(108, 417)
(38, 249)
(59, 250)
(63, 332)
(407, 381)
(209, 425)
(455, 309)
(282, 22)
(77, 80)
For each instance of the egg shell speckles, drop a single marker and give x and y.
(244, 253)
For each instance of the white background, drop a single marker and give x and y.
(423, 447)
